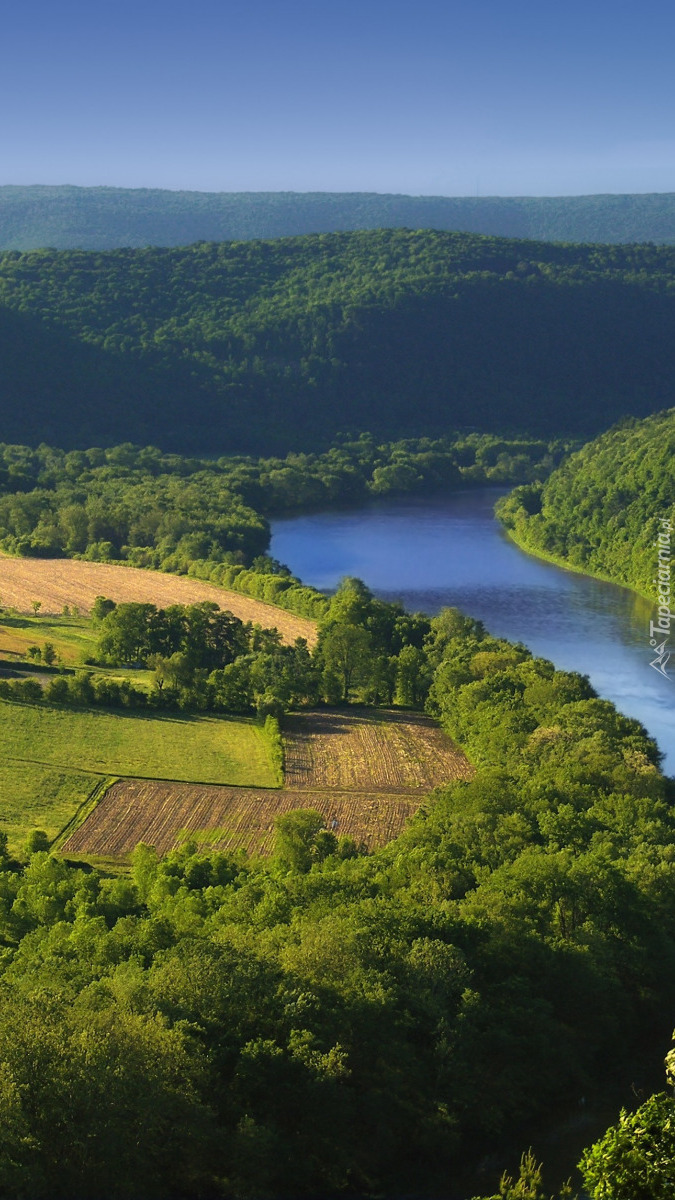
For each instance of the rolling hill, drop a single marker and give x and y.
(103, 218)
(271, 346)
(607, 510)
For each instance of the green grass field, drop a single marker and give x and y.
(37, 797)
(73, 638)
(51, 758)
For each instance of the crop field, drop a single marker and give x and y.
(366, 774)
(165, 815)
(377, 750)
(52, 758)
(56, 582)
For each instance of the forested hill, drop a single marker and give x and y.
(602, 511)
(269, 346)
(100, 218)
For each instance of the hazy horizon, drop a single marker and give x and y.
(334, 192)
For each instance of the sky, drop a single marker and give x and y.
(424, 97)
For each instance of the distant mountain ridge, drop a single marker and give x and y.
(106, 218)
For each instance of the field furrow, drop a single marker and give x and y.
(165, 815)
(366, 773)
(377, 750)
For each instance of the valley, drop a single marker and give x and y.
(338, 843)
(337, 680)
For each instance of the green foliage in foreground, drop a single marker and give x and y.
(327, 1023)
(263, 346)
(633, 1160)
(603, 509)
(528, 1186)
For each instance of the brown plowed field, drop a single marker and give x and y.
(366, 774)
(58, 581)
(372, 750)
(165, 814)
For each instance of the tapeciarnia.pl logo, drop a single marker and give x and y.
(660, 629)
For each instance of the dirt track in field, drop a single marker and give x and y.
(365, 773)
(58, 581)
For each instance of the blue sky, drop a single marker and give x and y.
(424, 97)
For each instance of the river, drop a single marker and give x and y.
(450, 550)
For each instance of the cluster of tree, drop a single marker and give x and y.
(204, 658)
(124, 503)
(104, 218)
(327, 1022)
(264, 346)
(164, 510)
(609, 509)
(45, 654)
(266, 580)
(357, 469)
(204, 635)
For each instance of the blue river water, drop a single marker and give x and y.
(450, 550)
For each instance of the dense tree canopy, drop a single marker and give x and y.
(101, 218)
(609, 509)
(164, 510)
(264, 346)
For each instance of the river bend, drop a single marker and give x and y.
(430, 552)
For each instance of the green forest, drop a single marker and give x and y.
(263, 347)
(329, 1022)
(602, 509)
(105, 218)
(137, 505)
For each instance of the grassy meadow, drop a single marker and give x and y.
(73, 637)
(52, 758)
(36, 796)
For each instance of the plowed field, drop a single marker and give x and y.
(384, 751)
(51, 759)
(58, 581)
(164, 815)
(365, 773)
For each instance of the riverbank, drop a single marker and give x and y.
(565, 565)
